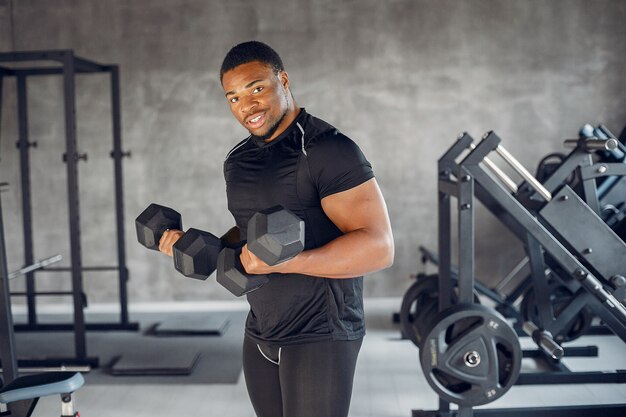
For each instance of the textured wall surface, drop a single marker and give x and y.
(401, 77)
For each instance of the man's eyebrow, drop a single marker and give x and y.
(247, 86)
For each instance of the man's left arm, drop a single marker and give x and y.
(366, 245)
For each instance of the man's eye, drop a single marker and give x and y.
(233, 99)
(257, 90)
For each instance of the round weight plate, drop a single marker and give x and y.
(419, 302)
(470, 355)
(560, 297)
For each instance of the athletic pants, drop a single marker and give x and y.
(306, 380)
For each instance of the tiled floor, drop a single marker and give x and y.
(388, 382)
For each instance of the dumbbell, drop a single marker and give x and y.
(195, 253)
(274, 235)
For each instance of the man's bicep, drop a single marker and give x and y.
(360, 207)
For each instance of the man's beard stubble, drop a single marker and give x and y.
(272, 128)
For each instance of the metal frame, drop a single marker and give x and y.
(69, 66)
(467, 179)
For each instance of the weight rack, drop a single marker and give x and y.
(68, 65)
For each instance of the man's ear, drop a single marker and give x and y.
(284, 78)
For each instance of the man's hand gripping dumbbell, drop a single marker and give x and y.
(274, 235)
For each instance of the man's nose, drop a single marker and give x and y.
(248, 105)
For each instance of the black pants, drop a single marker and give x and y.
(307, 380)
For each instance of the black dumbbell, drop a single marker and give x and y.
(195, 253)
(274, 235)
(153, 222)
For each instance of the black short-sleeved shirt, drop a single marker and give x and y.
(307, 162)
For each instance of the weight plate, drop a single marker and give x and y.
(560, 297)
(470, 355)
(419, 304)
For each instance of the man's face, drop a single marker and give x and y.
(258, 98)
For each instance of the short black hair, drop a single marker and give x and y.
(249, 52)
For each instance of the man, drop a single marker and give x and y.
(306, 325)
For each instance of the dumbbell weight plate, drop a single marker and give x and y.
(153, 221)
(195, 254)
(231, 276)
(275, 235)
(470, 355)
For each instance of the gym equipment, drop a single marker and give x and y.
(560, 298)
(24, 65)
(21, 393)
(419, 304)
(153, 221)
(195, 253)
(28, 389)
(470, 355)
(36, 265)
(274, 235)
(586, 258)
(231, 275)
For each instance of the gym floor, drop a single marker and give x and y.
(388, 381)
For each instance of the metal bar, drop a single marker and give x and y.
(82, 64)
(18, 56)
(516, 269)
(448, 187)
(27, 216)
(119, 192)
(540, 283)
(67, 327)
(1, 96)
(591, 144)
(506, 180)
(7, 338)
(84, 268)
(6, 71)
(35, 266)
(444, 242)
(604, 410)
(62, 368)
(465, 210)
(447, 161)
(42, 293)
(590, 195)
(594, 377)
(523, 172)
(73, 203)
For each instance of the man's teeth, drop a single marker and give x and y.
(256, 119)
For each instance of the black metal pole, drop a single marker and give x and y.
(73, 204)
(7, 338)
(465, 244)
(27, 220)
(119, 194)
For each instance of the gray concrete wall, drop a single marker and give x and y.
(401, 77)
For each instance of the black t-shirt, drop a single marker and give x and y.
(307, 162)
